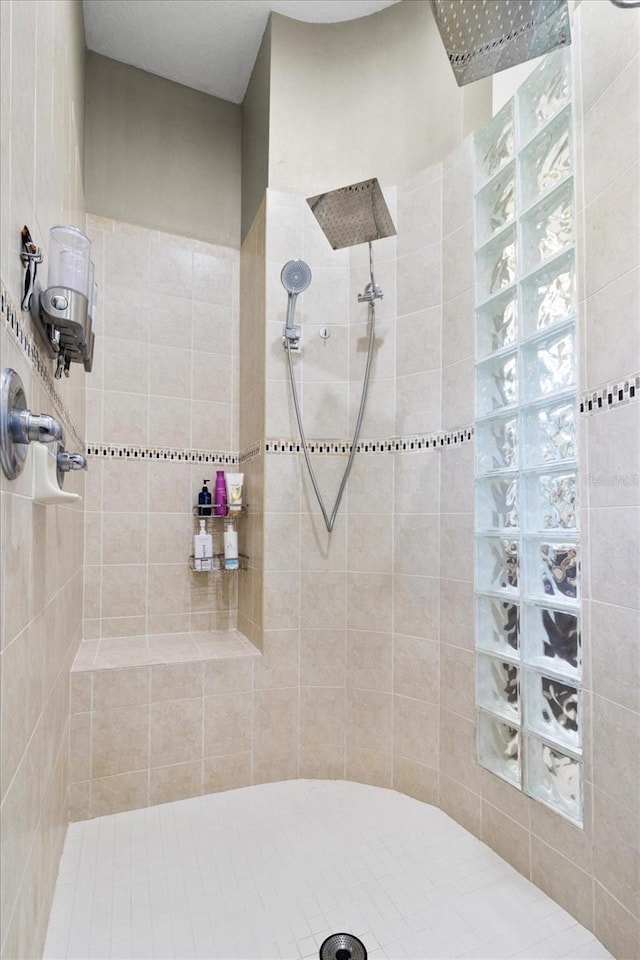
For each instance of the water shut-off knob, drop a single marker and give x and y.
(71, 461)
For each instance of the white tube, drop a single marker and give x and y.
(234, 491)
(231, 561)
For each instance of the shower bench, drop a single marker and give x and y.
(159, 718)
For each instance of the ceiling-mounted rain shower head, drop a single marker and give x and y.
(354, 214)
(482, 37)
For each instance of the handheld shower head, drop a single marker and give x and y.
(295, 277)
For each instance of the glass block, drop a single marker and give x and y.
(499, 748)
(544, 93)
(552, 709)
(497, 503)
(549, 433)
(547, 228)
(549, 364)
(497, 444)
(497, 564)
(548, 159)
(549, 295)
(552, 639)
(553, 777)
(495, 204)
(496, 324)
(551, 569)
(494, 145)
(496, 264)
(551, 501)
(498, 686)
(496, 384)
(498, 625)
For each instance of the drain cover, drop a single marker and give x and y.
(342, 946)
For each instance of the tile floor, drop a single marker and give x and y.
(270, 870)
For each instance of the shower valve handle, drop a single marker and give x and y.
(371, 292)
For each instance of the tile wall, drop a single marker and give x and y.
(41, 114)
(165, 377)
(609, 222)
(366, 670)
(251, 375)
(394, 588)
(594, 873)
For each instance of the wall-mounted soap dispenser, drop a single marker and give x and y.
(63, 313)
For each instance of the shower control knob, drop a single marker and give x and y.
(41, 427)
(71, 461)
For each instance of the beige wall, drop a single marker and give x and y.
(251, 416)
(165, 377)
(255, 134)
(160, 154)
(368, 97)
(41, 112)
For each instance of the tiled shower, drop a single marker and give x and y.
(350, 656)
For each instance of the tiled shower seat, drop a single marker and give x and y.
(161, 648)
(159, 718)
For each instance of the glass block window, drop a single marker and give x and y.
(527, 552)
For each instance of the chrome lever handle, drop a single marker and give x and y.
(71, 461)
(41, 427)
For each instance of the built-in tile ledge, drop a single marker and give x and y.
(113, 652)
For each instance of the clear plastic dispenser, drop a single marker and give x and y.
(63, 312)
(69, 260)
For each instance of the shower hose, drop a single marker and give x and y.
(329, 519)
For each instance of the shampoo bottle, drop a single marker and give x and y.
(230, 547)
(204, 501)
(220, 507)
(203, 549)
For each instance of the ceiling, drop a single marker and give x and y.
(210, 45)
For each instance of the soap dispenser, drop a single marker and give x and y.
(231, 561)
(203, 549)
(204, 501)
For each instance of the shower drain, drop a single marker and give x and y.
(342, 946)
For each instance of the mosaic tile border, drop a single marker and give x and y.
(409, 444)
(118, 451)
(250, 453)
(592, 401)
(12, 317)
(610, 396)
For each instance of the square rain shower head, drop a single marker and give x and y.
(482, 37)
(354, 214)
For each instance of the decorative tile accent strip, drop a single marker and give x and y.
(410, 444)
(117, 451)
(611, 395)
(12, 316)
(250, 453)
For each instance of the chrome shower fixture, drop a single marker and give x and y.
(295, 277)
(354, 214)
(482, 37)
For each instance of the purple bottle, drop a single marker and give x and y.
(220, 499)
